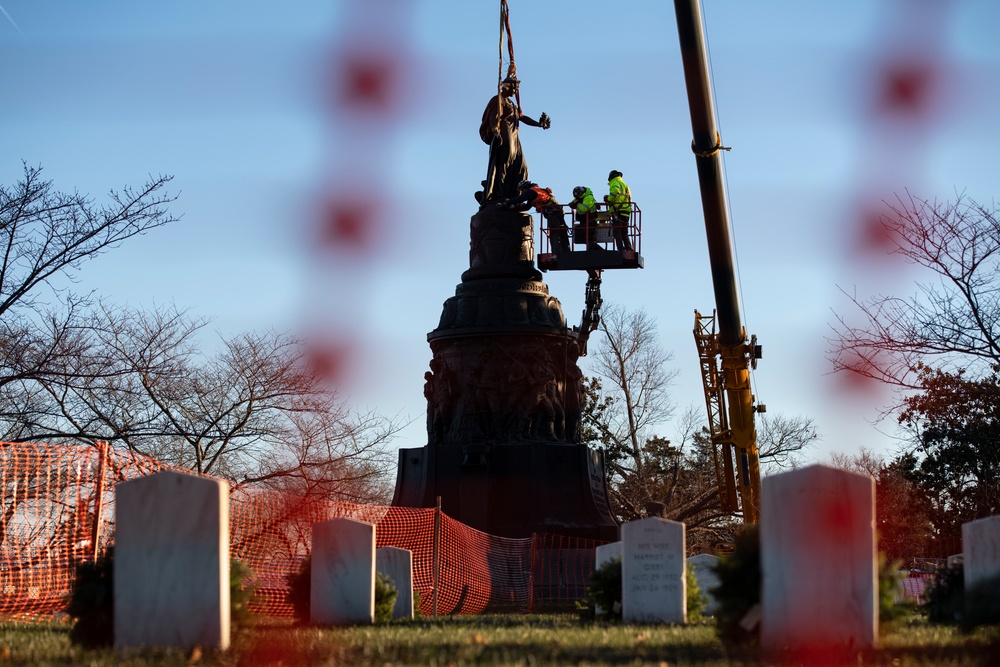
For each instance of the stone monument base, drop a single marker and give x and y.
(511, 490)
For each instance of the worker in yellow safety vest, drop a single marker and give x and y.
(541, 198)
(585, 206)
(619, 199)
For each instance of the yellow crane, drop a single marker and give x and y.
(725, 353)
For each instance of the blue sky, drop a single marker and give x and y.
(234, 99)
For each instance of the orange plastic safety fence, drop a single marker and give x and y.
(560, 568)
(46, 497)
(271, 533)
(57, 509)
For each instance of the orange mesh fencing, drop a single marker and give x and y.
(57, 508)
(560, 568)
(56, 504)
(271, 533)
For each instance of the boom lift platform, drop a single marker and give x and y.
(592, 247)
(592, 242)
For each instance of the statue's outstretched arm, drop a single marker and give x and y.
(543, 121)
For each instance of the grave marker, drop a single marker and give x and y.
(605, 552)
(342, 589)
(819, 569)
(653, 587)
(981, 568)
(602, 554)
(397, 565)
(703, 566)
(171, 561)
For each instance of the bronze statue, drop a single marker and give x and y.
(507, 167)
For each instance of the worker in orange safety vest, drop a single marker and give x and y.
(531, 195)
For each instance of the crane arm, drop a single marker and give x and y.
(730, 343)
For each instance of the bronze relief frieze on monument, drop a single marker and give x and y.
(504, 395)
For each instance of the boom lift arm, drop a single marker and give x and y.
(591, 318)
(733, 429)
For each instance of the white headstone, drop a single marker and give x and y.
(703, 567)
(981, 557)
(653, 587)
(171, 561)
(818, 562)
(342, 590)
(602, 554)
(397, 565)
(605, 552)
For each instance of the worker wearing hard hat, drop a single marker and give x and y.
(586, 216)
(619, 199)
(583, 202)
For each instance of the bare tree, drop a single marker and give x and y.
(781, 439)
(256, 412)
(902, 509)
(45, 234)
(627, 406)
(942, 346)
(75, 370)
(632, 363)
(952, 320)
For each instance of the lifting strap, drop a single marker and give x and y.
(512, 67)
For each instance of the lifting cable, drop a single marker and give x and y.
(512, 67)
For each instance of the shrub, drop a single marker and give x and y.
(385, 598)
(242, 591)
(605, 591)
(738, 591)
(300, 590)
(91, 603)
(888, 587)
(697, 600)
(945, 598)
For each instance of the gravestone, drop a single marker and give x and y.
(602, 554)
(653, 587)
(818, 564)
(981, 566)
(397, 565)
(703, 567)
(171, 562)
(342, 588)
(605, 552)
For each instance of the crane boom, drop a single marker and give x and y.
(733, 430)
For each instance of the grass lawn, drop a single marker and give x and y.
(495, 640)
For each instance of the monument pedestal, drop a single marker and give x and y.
(511, 490)
(504, 397)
